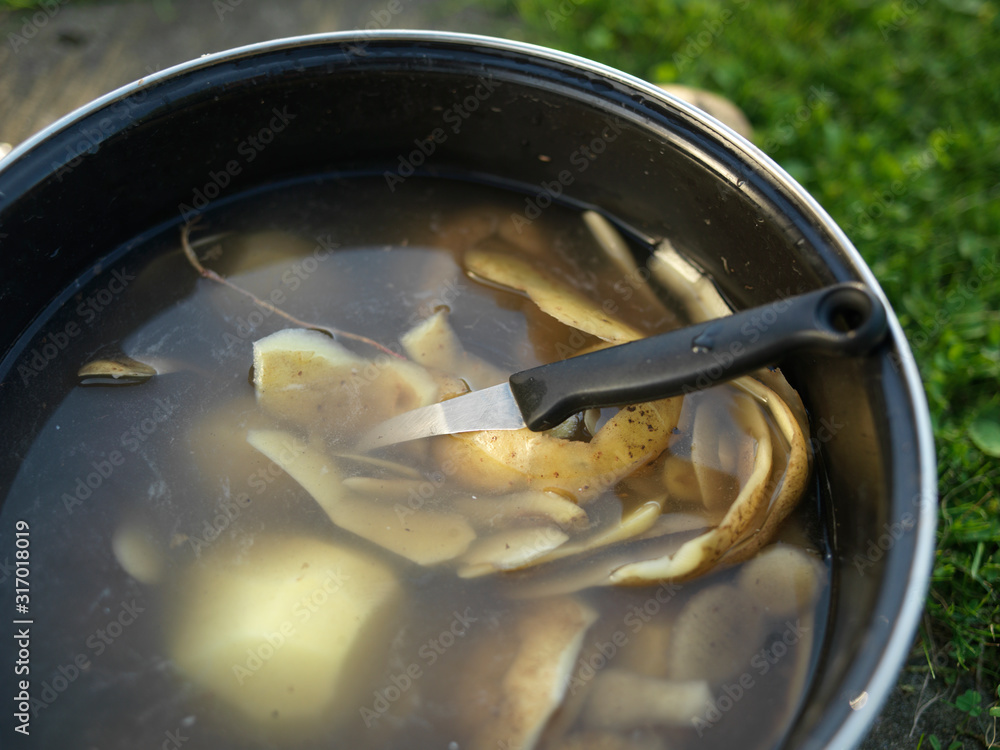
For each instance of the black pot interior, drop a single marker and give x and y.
(115, 174)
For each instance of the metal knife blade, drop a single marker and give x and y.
(492, 408)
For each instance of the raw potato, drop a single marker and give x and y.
(422, 536)
(136, 549)
(783, 581)
(306, 377)
(286, 631)
(467, 228)
(521, 459)
(648, 652)
(680, 480)
(227, 466)
(562, 302)
(622, 699)
(715, 635)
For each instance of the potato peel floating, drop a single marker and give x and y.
(550, 637)
(121, 369)
(522, 459)
(699, 554)
(519, 507)
(558, 300)
(744, 484)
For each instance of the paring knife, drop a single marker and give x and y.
(845, 319)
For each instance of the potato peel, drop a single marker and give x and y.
(562, 302)
(521, 459)
(765, 491)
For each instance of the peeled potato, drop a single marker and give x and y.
(621, 699)
(782, 580)
(715, 635)
(137, 550)
(284, 631)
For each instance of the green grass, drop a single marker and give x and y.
(904, 152)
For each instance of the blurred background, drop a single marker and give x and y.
(888, 113)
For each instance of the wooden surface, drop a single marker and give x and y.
(52, 62)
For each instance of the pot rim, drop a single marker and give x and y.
(880, 682)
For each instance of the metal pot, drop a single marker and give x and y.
(555, 127)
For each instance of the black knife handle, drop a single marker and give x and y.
(845, 319)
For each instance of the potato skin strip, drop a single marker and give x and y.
(512, 460)
(735, 538)
(562, 302)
